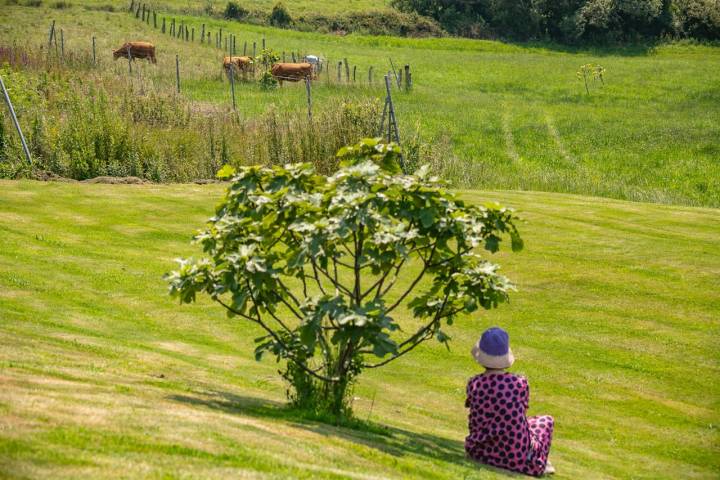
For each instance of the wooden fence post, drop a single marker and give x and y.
(94, 57)
(370, 72)
(232, 84)
(154, 19)
(339, 69)
(347, 70)
(408, 81)
(62, 43)
(245, 49)
(263, 43)
(51, 35)
(293, 57)
(177, 72)
(15, 121)
(192, 35)
(163, 26)
(129, 54)
(254, 49)
(283, 57)
(202, 34)
(354, 72)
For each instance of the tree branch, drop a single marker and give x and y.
(289, 355)
(415, 282)
(416, 339)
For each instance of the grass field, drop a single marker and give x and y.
(103, 376)
(514, 116)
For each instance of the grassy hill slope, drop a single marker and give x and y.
(515, 117)
(103, 376)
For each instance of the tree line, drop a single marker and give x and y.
(572, 21)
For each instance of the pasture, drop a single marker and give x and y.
(615, 321)
(506, 116)
(103, 376)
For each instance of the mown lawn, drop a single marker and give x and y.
(515, 116)
(616, 325)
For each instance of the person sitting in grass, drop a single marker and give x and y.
(500, 434)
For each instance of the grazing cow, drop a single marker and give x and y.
(241, 64)
(292, 72)
(136, 50)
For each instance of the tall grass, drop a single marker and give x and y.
(110, 126)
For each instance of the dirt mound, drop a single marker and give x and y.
(118, 180)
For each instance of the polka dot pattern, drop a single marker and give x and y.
(500, 434)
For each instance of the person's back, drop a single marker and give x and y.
(500, 434)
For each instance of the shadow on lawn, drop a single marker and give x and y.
(391, 440)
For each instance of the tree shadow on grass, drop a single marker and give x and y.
(387, 439)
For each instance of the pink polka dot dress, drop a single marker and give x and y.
(500, 434)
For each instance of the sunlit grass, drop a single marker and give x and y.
(103, 375)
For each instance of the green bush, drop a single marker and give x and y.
(372, 23)
(697, 18)
(280, 17)
(344, 241)
(234, 11)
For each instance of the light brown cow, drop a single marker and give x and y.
(292, 72)
(136, 50)
(241, 65)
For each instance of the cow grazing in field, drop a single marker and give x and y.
(292, 72)
(135, 50)
(240, 64)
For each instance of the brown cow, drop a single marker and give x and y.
(292, 72)
(240, 64)
(136, 50)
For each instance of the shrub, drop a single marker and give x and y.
(344, 241)
(267, 81)
(235, 11)
(33, 3)
(61, 5)
(280, 17)
(697, 19)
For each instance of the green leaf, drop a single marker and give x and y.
(225, 172)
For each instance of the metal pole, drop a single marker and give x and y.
(394, 72)
(391, 110)
(15, 121)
